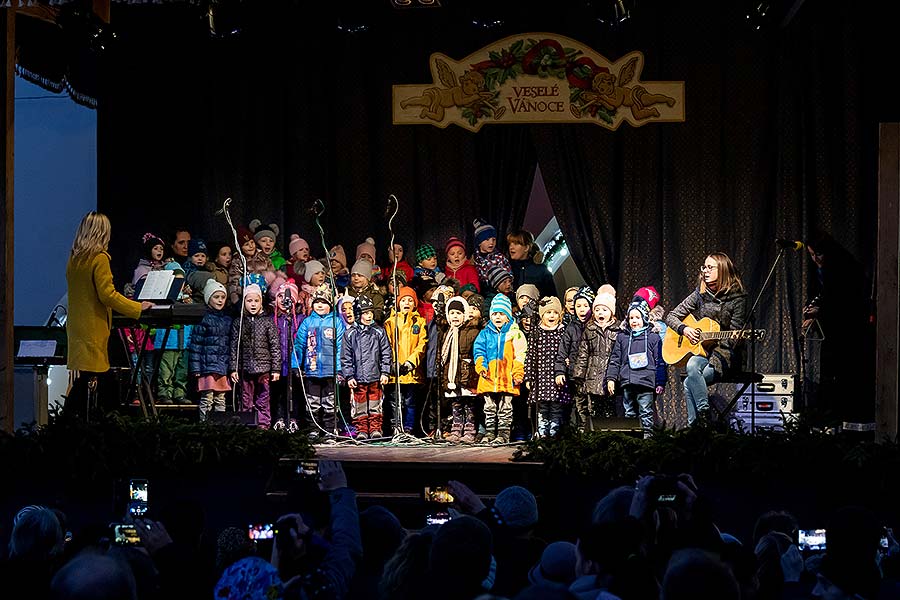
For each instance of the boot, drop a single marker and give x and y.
(468, 436)
(375, 426)
(456, 428)
(502, 437)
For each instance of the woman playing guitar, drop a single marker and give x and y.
(720, 296)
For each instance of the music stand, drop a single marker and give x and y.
(39, 347)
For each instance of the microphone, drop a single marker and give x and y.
(789, 244)
(225, 206)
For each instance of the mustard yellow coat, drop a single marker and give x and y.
(92, 298)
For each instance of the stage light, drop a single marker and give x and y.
(611, 13)
(487, 23)
(49, 382)
(224, 18)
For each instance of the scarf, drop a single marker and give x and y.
(450, 352)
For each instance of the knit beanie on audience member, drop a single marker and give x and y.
(250, 577)
(556, 567)
(454, 242)
(252, 289)
(150, 240)
(362, 267)
(337, 253)
(606, 296)
(497, 274)
(367, 247)
(361, 304)
(649, 295)
(260, 231)
(424, 252)
(196, 246)
(312, 267)
(530, 290)
(588, 294)
(212, 286)
(296, 244)
(462, 552)
(483, 232)
(381, 534)
(244, 235)
(322, 294)
(549, 303)
(501, 304)
(517, 507)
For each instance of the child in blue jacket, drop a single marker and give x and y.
(210, 351)
(317, 350)
(636, 364)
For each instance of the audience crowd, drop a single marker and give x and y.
(653, 540)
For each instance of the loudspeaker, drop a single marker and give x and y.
(247, 418)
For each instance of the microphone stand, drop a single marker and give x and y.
(751, 320)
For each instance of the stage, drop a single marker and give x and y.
(395, 475)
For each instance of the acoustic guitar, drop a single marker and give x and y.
(677, 349)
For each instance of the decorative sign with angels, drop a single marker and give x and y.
(538, 78)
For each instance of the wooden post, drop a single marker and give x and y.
(8, 94)
(887, 299)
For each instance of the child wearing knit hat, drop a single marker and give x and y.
(317, 351)
(366, 365)
(366, 251)
(457, 330)
(408, 334)
(265, 236)
(255, 355)
(543, 346)
(361, 284)
(287, 305)
(152, 251)
(636, 365)
(567, 355)
(257, 262)
(487, 255)
(196, 258)
(427, 263)
(298, 251)
(338, 262)
(499, 351)
(594, 350)
(527, 306)
(458, 267)
(208, 352)
(499, 281)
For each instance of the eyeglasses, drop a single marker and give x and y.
(709, 267)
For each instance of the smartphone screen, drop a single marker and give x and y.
(811, 539)
(138, 495)
(308, 468)
(438, 518)
(125, 535)
(261, 531)
(438, 494)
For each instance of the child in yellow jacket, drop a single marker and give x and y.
(500, 362)
(407, 333)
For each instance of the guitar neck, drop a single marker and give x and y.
(724, 335)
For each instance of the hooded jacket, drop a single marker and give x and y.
(366, 353)
(314, 346)
(210, 348)
(500, 354)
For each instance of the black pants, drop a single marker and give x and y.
(92, 392)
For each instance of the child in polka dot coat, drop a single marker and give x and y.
(543, 345)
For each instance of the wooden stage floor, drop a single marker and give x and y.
(423, 455)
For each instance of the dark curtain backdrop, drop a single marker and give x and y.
(779, 140)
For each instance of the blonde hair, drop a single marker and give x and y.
(92, 236)
(727, 279)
